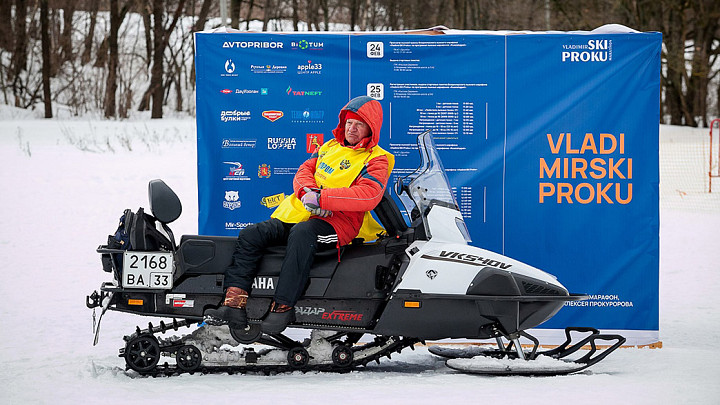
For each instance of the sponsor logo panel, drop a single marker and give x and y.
(239, 143)
(268, 69)
(264, 171)
(313, 142)
(295, 92)
(594, 50)
(281, 143)
(307, 116)
(273, 201)
(310, 68)
(229, 69)
(305, 45)
(253, 44)
(237, 225)
(232, 200)
(236, 172)
(273, 115)
(234, 115)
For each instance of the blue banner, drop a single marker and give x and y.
(550, 142)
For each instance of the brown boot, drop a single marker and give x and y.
(231, 312)
(278, 319)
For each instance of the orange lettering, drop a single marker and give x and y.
(588, 144)
(564, 190)
(584, 200)
(613, 142)
(617, 194)
(549, 172)
(555, 147)
(602, 194)
(614, 167)
(579, 166)
(568, 147)
(597, 165)
(546, 190)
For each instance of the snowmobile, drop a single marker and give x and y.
(422, 281)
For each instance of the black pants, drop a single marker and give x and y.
(302, 241)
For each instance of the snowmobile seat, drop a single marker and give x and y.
(202, 254)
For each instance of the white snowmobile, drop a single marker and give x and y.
(420, 282)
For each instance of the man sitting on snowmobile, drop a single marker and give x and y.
(334, 191)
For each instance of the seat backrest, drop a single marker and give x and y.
(164, 203)
(390, 216)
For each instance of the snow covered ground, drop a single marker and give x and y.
(63, 185)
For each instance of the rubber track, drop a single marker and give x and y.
(167, 369)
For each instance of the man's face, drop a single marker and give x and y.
(355, 131)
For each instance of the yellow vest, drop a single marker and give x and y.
(336, 167)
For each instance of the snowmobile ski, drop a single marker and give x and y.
(507, 360)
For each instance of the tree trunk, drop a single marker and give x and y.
(19, 59)
(45, 38)
(157, 70)
(6, 35)
(89, 39)
(203, 16)
(354, 13)
(266, 14)
(161, 35)
(251, 4)
(65, 43)
(326, 14)
(111, 79)
(295, 17)
(147, 24)
(235, 14)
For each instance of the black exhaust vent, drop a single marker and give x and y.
(537, 289)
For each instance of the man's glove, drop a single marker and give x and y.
(311, 202)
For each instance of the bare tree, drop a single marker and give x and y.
(45, 35)
(6, 36)
(65, 47)
(19, 58)
(111, 78)
(87, 47)
(235, 13)
(161, 37)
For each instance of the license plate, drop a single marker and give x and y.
(148, 270)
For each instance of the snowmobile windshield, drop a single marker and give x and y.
(428, 185)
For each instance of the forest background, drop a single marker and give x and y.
(121, 58)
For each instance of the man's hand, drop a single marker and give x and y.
(311, 202)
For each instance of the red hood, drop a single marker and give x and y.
(371, 112)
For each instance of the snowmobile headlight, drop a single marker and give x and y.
(463, 229)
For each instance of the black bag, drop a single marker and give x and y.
(144, 235)
(136, 231)
(119, 240)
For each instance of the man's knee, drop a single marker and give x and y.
(303, 231)
(258, 235)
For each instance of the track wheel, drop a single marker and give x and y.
(188, 358)
(298, 358)
(249, 334)
(142, 353)
(342, 356)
